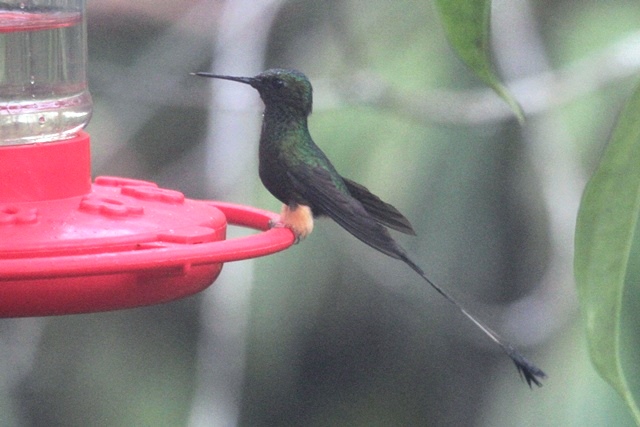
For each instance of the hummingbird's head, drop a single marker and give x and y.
(285, 87)
(278, 88)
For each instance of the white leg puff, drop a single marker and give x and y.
(298, 219)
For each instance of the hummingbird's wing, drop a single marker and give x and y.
(317, 186)
(322, 190)
(381, 211)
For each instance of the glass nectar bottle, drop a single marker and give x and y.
(44, 95)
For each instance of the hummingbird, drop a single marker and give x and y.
(298, 173)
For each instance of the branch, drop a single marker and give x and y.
(536, 94)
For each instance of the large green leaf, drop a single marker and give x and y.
(604, 235)
(467, 26)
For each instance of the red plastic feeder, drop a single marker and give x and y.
(68, 246)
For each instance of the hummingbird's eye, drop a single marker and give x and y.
(278, 83)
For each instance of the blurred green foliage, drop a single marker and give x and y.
(604, 239)
(467, 26)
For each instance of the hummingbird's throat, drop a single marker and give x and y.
(298, 219)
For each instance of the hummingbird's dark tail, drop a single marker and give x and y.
(371, 231)
(530, 372)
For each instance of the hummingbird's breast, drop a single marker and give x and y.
(277, 154)
(274, 177)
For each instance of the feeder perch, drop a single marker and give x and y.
(69, 246)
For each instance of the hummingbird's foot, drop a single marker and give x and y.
(298, 219)
(280, 224)
(275, 224)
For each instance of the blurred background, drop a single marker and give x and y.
(329, 332)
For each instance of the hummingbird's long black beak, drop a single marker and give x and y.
(247, 80)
